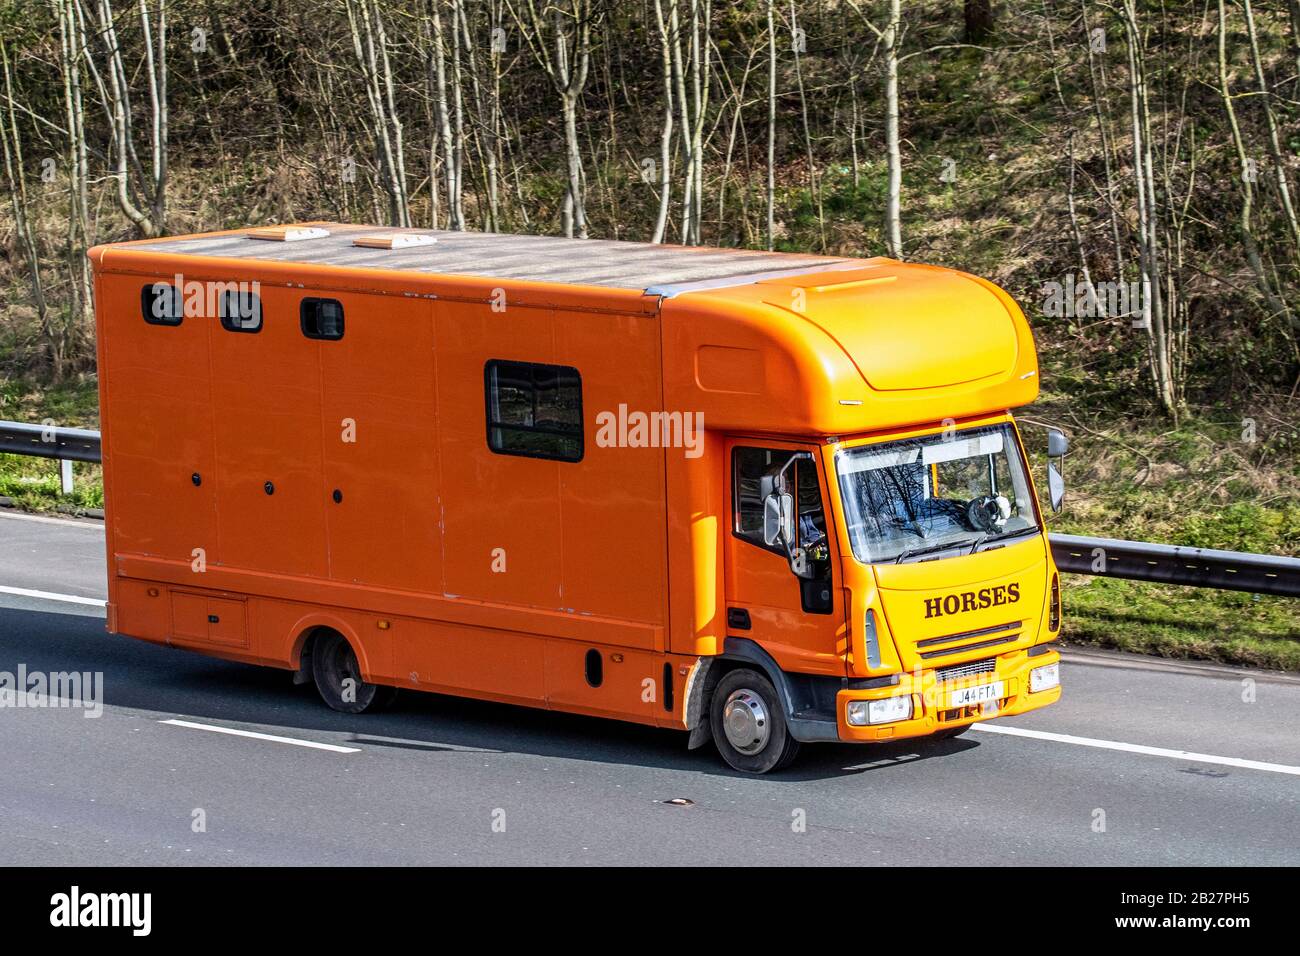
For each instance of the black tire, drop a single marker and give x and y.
(332, 663)
(764, 718)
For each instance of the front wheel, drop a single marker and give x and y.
(338, 677)
(748, 726)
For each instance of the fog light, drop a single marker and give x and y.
(1045, 677)
(887, 711)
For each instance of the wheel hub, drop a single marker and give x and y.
(745, 720)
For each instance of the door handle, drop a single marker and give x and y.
(738, 617)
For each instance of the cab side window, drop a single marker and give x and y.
(749, 466)
(810, 528)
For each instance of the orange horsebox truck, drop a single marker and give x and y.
(763, 498)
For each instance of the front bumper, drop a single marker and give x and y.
(931, 710)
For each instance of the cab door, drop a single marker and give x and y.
(800, 621)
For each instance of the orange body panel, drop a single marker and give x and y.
(261, 486)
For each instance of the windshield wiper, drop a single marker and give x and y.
(1018, 533)
(1006, 535)
(910, 552)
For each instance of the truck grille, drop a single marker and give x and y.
(969, 669)
(1005, 634)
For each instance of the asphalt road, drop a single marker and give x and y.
(443, 780)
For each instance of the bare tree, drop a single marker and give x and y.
(1141, 132)
(141, 191)
(559, 35)
(446, 107)
(814, 186)
(11, 145)
(889, 38)
(1100, 103)
(1264, 280)
(694, 79)
(771, 125)
(737, 99)
(370, 47)
(487, 115)
(667, 25)
(77, 232)
(1274, 138)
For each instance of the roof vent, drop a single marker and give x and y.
(288, 233)
(395, 240)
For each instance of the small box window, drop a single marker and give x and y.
(161, 304)
(321, 319)
(241, 311)
(534, 410)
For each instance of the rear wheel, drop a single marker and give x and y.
(338, 677)
(748, 725)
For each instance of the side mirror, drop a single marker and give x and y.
(1055, 487)
(778, 520)
(1057, 443)
(1057, 446)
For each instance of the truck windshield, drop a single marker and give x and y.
(954, 492)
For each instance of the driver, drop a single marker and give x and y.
(812, 536)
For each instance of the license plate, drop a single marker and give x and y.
(978, 694)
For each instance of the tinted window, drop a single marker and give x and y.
(161, 304)
(321, 318)
(534, 410)
(751, 464)
(241, 311)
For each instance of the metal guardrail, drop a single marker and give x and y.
(1077, 554)
(66, 445)
(1171, 564)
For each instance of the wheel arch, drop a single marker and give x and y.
(743, 652)
(311, 626)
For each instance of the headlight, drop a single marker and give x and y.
(1045, 677)
(887, 711)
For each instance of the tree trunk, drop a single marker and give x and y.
(978, 21)
(771, 126)
(893, 209)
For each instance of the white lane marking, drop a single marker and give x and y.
(96, 523)
(52, 596)
(1141, 749)
(256, 736)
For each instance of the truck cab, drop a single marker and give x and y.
(886, 572)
